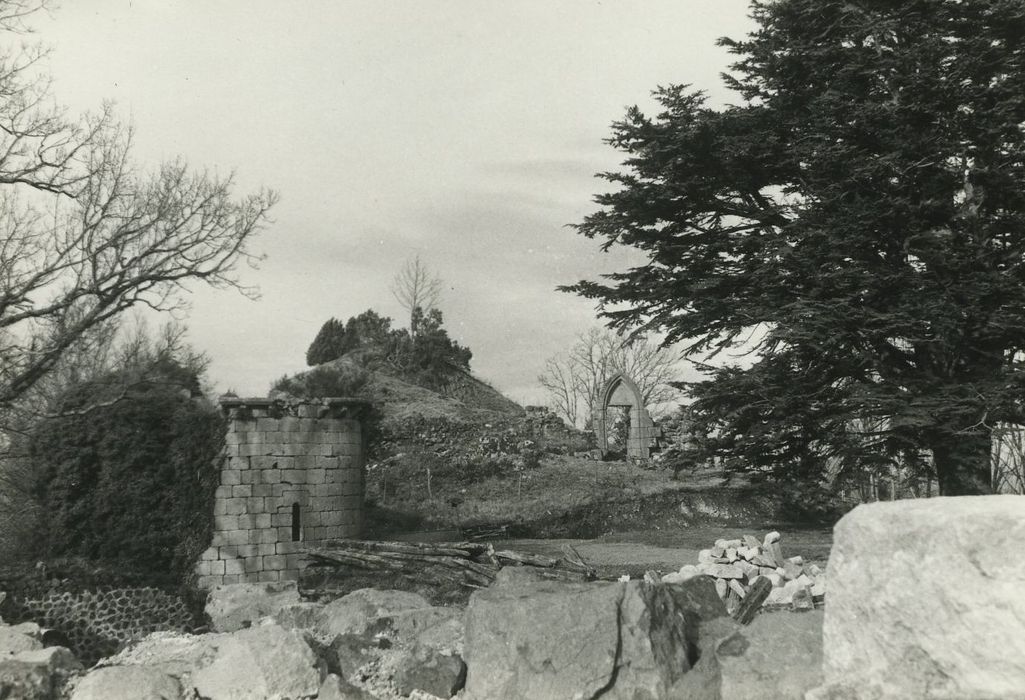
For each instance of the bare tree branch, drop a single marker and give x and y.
(416, 287)
(83, 236)
(575, 378)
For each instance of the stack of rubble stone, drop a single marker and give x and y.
(737, 564)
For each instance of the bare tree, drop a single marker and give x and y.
(84, 237)
(416, 287)
(574, 379)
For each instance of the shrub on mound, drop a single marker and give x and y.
(129, 479)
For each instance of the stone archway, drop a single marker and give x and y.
(620, 390)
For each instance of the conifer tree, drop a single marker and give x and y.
(858, 216)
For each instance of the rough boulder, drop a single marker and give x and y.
(925, 600)
(236, 606)
(616, 640)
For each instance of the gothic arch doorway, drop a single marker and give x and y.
(621, 391)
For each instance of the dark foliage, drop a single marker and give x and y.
(335, 339)
(325, 381)
(858, 218)
(424, 354)
(133, 480)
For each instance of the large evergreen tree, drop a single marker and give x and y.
(859, 216)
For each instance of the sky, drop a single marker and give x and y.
(467, 132)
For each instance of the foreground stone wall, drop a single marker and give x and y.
(291, 474)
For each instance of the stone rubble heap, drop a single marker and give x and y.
(737, 564)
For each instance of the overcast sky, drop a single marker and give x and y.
(467, 132)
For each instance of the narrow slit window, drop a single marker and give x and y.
(297, 528)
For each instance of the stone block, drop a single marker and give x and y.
(293, 476)
(270, 476)
(250, 577)
(246, 550)
(234, 566)
(235, 506)
(306, 461)
(262, 520)
(266, 424)
(925, 599)
(316, 476)
(235, 536)
(268, 576)
(288, 547)
(255, 505)
(288, 575)
(290, 424)
(227, 551)
(231, 477)
(216, 567)
(253, 564)
(262, 490)
(331, 489)
(273, 562)
(226, 522)
(242, 490)
(247, 521)
(264, 462)
(250, 476)
(311, 519)
(231, 578)
(273, 535)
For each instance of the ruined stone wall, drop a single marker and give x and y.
(291, 474)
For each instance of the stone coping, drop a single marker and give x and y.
(334, 406)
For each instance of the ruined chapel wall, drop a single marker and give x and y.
(291, 475)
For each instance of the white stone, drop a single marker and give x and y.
(705, 556)
(779, 596)
(236, 606)
(12, 642)
(127, 683)
(770, 538)
(925, 599)
(266, 661)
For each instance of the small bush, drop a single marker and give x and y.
(325, 381)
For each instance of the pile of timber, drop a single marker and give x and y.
(474, 564)
(738, 565)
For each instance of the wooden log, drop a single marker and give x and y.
(444, 549)
(359, 559)
(528, 559)
(752, 602)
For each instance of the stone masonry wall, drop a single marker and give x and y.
(291, 474)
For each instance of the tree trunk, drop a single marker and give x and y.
(963, 464)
